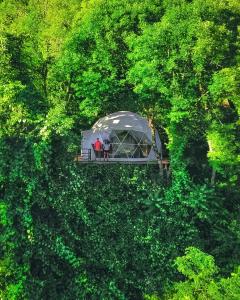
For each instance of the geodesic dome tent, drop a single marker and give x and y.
(129, 134)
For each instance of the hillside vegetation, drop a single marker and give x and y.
(72, 231)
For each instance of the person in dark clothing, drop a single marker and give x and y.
(106, 149)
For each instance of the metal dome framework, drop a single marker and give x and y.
(129, 144)
(129, 134)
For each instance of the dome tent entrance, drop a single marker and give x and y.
(129, 134)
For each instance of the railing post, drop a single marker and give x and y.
(89, 154)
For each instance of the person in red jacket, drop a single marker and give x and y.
(98, 148)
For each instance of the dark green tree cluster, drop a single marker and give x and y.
(69, 231)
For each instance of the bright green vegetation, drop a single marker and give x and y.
(70, 231)
(202, 280)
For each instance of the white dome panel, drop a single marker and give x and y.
(123, 120)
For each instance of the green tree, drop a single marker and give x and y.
(202, 281)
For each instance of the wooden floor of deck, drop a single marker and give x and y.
(101, 162)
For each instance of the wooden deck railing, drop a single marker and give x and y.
(85, 155)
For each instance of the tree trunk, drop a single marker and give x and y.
(213, 177)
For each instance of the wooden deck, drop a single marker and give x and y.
(80, 159)
(107, 162)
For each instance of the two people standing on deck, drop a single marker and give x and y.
(99, 147)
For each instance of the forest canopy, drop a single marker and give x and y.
(71, 231)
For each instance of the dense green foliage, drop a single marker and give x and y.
(113, 232)
(202, 280)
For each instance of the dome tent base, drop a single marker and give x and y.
(115, 161)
